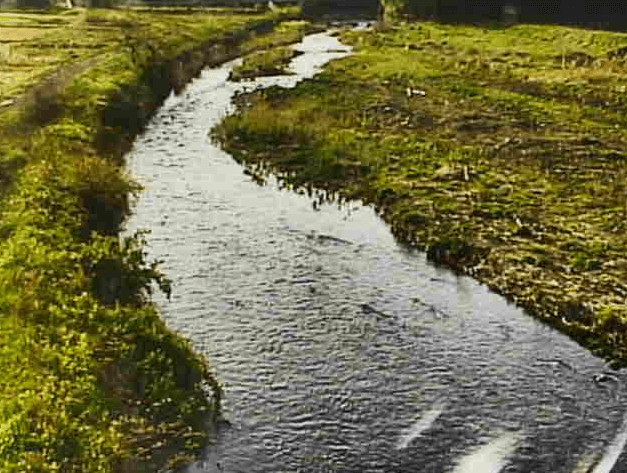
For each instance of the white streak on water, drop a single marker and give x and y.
(490, 458)
(614, 450)
(418, 427)
(585, 463)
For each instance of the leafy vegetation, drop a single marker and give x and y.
(93, 380)
(501, 151)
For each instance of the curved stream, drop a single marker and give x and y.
(341, 350)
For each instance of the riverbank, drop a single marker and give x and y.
(501, 152)
(93, 379)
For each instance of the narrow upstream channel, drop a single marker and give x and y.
(340, 349)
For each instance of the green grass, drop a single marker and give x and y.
(92, 378)
(502, 152)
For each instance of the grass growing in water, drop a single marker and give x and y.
(502, 152)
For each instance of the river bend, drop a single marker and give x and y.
(340, 349)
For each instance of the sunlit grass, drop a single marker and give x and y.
(53, 41)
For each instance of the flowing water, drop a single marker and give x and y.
(340, 349)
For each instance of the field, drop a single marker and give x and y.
(28, 48)
(500, 151)
(35, 46)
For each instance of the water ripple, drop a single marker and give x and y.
(339, 349)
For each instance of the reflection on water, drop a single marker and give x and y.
(421, 425)
(339, 349)
(614, 450)
(489, 458)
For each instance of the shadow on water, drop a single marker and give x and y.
(340, 349)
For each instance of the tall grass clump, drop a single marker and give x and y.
(394, 8)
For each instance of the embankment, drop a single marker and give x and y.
(93, 379)
(501, 152)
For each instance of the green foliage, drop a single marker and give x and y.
(73, 306)
(118, 271)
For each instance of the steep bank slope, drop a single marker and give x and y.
(93, 380)
(501, 152)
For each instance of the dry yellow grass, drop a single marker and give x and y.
(32, 46)
(10, 34)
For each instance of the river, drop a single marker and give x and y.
(340, 349)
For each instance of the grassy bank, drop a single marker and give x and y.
(502, 152)
(93, 380)
(264, 63)
(271, 53)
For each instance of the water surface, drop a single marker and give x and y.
(341, 350)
